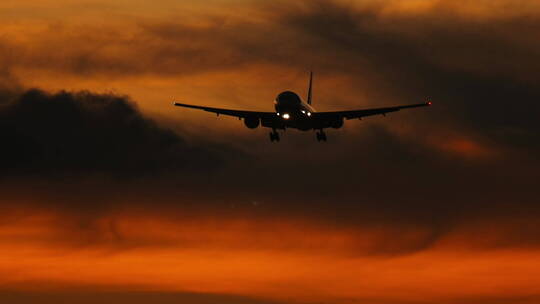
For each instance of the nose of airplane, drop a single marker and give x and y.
(288, 98)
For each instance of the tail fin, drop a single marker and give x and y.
(310, 86)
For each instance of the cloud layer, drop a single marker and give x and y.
(421, 198)
(64, 134)
(431, 170)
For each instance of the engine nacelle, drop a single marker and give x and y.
(337, 123)
(252, 122)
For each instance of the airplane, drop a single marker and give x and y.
(292, 112)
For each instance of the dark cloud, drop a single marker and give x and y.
(480, 72)
(85, 134)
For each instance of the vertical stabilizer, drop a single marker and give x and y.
(309, 88)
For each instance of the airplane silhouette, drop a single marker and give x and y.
(292, 112)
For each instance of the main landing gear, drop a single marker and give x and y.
(321, 136)
(274, 136)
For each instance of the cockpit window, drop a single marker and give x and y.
(288, 97)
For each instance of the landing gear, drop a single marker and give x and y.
(274, 136)
(321, 136)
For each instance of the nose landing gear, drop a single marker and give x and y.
(274, 136)
(321, 136)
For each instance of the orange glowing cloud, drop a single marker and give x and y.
(466, 148)
(286, 261)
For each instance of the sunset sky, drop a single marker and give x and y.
(109, 194)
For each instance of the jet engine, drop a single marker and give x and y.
(337, 123)
(252, 122)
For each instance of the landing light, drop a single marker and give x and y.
(308, 113)
(429, 103)
(286, 116)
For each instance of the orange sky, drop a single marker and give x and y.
(422, 207)
(309, 262)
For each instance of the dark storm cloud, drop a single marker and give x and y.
(85, 134)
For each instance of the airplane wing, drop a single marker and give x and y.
(235, 113)
(366, 112)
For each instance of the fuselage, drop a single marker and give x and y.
(293, 111)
